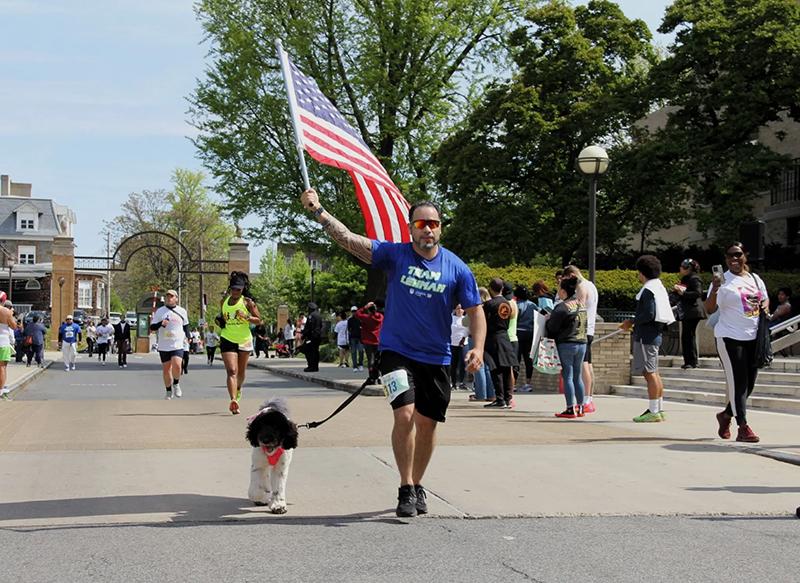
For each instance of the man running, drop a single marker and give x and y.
(425, 282)
(171, 323)
(105, 332)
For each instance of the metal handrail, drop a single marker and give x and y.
(785, 325)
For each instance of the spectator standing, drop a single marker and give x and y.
(69, 333)
(171, 324)
(653, 314)
(458, 340)
(122, 338)
(7, 326)
(91, 338)
(588, 296)
(299, 324)
(784, 310)
(19, 342)
(739, 296)
(105, 333)
(261, 340)
(212, 341)
(500, 354)
(354, 332)
(371, 322)
(508, 294)
(567, 326)
(36, 331)
(526, 310)
(342, 339)
(482, 379)
(288, 334)
(312, 337)
(690, 292)
(425, 281)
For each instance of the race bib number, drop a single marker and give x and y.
(395, 383)
(69, 333)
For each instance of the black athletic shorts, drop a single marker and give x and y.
(226, 345)
(588, 356)
(430, 385)
(167, 355)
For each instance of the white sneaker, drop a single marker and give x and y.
(355, 369)
(360, 369)
(73, 367)
(168, 397)
(124, 366)
(66, 368)
(176, 388)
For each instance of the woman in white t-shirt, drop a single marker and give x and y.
(103, 333)
(342, 339)
(739, 296)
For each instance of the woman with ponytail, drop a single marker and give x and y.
(238, 311)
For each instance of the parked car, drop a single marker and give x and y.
(79, 317)
(130, 317)
(44, 317)
(114, 318)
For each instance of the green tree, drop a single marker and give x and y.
(152, 258)
(341, 286)
(281, 282)
(732, 70)
(399, 70)
(581, 77)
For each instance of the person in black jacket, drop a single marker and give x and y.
(690, 293)
(499, 353)
(122, 338)
(312, 335)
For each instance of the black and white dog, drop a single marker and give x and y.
(273, 437)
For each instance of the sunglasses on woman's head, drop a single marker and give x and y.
(422, 223)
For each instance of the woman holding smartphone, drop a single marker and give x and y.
(739, 296)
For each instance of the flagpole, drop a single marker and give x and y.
(284, 58)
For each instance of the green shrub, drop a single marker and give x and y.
(328, 352)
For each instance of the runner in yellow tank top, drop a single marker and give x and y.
(238, 311)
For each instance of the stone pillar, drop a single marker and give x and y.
(62, 297)
(239, 256)
(611, 358)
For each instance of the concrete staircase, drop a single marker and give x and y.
(777, 388)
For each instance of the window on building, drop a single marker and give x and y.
(26, 254)
(85, 294)
(26, 221)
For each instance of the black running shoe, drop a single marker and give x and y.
(406, 501)
(496, 404)
(422, 499)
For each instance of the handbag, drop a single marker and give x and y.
(764, 354)
(547, 360)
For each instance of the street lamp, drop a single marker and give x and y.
(180, 247)
(592, 162)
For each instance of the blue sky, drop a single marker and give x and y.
(93, 99)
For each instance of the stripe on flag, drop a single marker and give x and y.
(330, 140)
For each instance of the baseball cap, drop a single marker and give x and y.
(68, 317)
(172, 292)
(353, 308)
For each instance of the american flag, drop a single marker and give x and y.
(329, 139)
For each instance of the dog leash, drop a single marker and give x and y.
(313, 424)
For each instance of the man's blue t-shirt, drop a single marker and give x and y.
(69, 332)
(420, 298)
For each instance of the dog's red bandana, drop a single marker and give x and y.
(274, 456)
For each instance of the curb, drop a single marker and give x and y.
(27, 378)
(347, 387)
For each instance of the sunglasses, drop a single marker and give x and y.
(422, 223)
(736, 255)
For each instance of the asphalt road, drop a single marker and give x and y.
(142, 380)
(290, 549)
(67, 535)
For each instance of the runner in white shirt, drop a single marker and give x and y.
(171, 323)
(104, 333)
(212, 341)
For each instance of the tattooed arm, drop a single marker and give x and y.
(357, 245)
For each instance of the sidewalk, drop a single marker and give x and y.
(19, 374)
(329, 375)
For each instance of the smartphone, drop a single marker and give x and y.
(718, 271)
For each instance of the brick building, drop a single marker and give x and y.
(28, 226)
